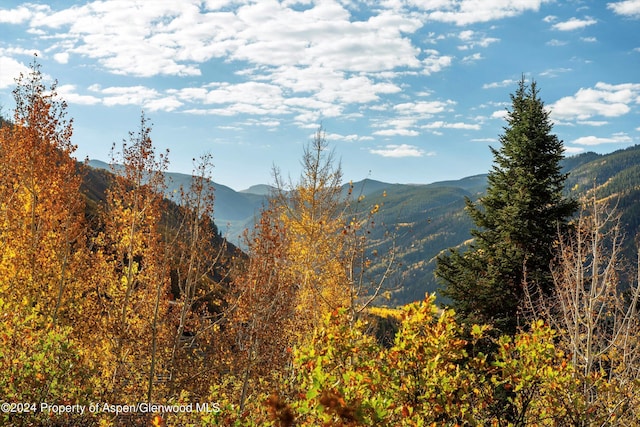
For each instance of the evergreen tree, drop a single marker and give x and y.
(517, 220)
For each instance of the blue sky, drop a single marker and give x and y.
(410, 91)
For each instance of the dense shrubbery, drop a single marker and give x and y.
(435, 374)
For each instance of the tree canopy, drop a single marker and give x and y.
(516, 221)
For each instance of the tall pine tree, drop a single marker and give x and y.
(517, 220)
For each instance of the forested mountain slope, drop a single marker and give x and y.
(419, 221)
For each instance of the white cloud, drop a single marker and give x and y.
(554, 72)
(422, 108)
(396, 132)
(593, 122)
(142, 96)
(434, 63)
(11, 69)
(465, 12)
(128, 95)
(172, 38)
(573, 150)
(556, 43)
(61, 57)
(13, 50)
(500, 114)
(70, 94)
(401, 150)
(347, 138)
(574, 24)
(617, 138)
(168, 103)
(503, 83)
(457, 125)
(474, 39)
(629, 8)
(312, 61)
(602, 100)
(15, 16)
(472, 58)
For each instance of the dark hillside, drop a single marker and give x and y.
(96, 181)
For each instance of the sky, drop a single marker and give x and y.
(407, 91)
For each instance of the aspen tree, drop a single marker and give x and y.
(200, 265)
(41, 213)
(264, 296)
(311, 213)
(43, 254)
(132, 283)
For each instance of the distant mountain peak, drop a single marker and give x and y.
(259, 189)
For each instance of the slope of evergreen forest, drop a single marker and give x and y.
(422, 230)
(420, 220)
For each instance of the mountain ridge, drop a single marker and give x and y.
(419, 221)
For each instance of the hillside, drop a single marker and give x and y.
(420, 221)
(424, 229)
(97, 178)
(233, 212)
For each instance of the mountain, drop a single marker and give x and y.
(233, 210)
(259, 190)
(97, 178)
(438, 222)
(419, 221)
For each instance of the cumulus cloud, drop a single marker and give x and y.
(172, 38)
(574, 24)
(618, 138)
(61, 57)
(503, 83)
(573, 150)
(10, 70)
(500, 114)
(396, 132)
(472, 58)
(15, 16)
(604, 99)
(434, 62)
(465, 12)
(473, 39)
(629, 8)
(346, 138)
(423, 108)
(458, 125)
(400, 150)
(313, 62)
(70, 94)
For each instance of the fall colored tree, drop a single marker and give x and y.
(131, 275)
(263, 308)
(327, 231)
(43, 252)
(598, 319)
(200, 265)
(41, 215)
(310, 211)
